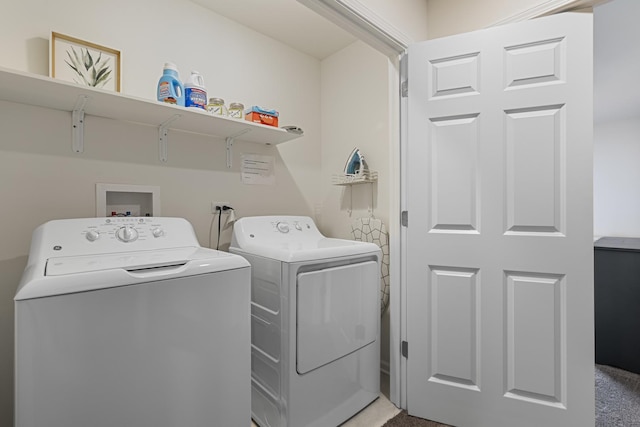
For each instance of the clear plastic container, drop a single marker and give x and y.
(236, 110)
(216, 107)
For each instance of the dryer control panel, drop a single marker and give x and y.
(285, 225)
(277, 229)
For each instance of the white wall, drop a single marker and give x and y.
(616, 178)
(360, 93)
(410, 16)
(42, 179)
(355, 113)
(446, 17)
(617, 120)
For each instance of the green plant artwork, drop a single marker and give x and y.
(89, 71)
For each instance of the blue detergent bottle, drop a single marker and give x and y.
(170, 88)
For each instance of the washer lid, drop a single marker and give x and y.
(64, 275)
(129, 261)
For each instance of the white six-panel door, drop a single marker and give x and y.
(499, 242)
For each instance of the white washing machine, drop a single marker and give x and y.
(129, 322)
(315, 310)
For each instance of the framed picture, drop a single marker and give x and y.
(84, 63)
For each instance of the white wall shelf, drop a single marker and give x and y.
(41, 91)
(347, 179)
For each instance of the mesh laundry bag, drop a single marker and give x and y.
(373, 230)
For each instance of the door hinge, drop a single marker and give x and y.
(404, 76)
(404, 349)
(404, 218)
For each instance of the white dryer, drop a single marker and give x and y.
(315, 310)
(129, 322)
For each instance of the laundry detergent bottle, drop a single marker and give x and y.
(170, 88)
(195, 94)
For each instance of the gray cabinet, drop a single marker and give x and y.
(617, 302)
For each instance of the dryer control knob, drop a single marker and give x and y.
(127, 234)
(282, 227)
(157, 232)
(92, 235)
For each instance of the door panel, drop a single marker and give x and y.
(453, 142)
(454, 326)
(535, 309)
(535, 173)
(540, 62)
(499, 244)
(454, 76)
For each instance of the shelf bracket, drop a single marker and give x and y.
(77, 124)
(163, 136)
(230, 140)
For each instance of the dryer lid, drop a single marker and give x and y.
(309, 251)
(291, 239)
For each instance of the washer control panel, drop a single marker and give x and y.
(125, 229)
(127, 234)
(87, 236)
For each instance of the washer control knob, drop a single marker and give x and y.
(282, 227)
(92, 235)
(298, 227)
(127, 234)
(157, 232)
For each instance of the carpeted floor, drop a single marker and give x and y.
(405, 420)
(617, 401)
(617, 397)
